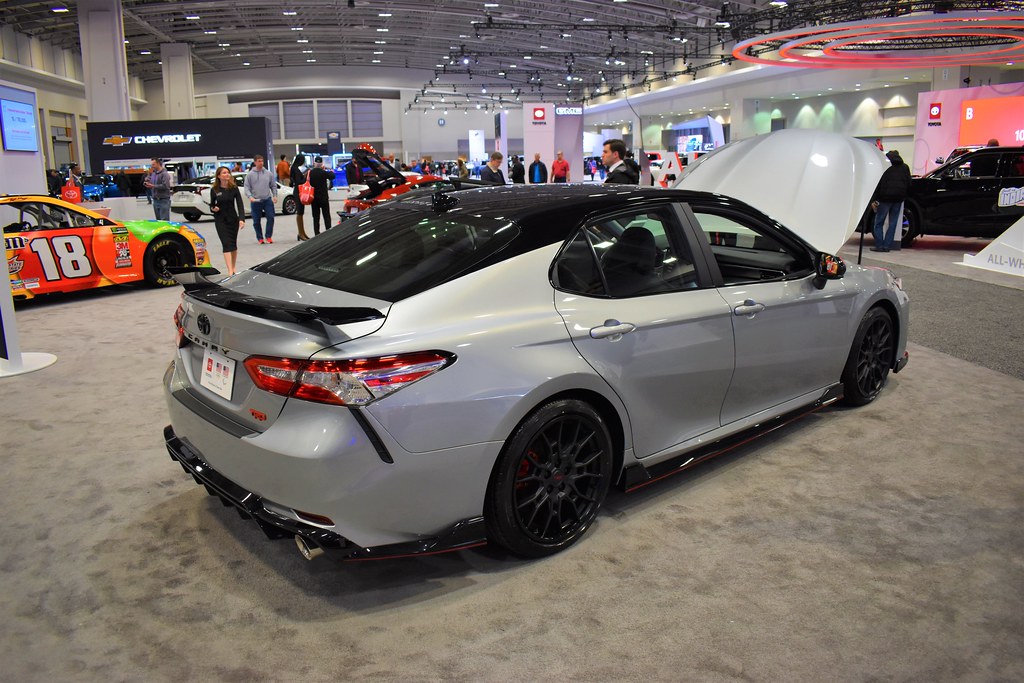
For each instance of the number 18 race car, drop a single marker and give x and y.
(54, 246)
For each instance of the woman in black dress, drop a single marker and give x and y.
(298, 177)
(228, 214)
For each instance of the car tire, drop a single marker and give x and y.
(288, 205)
(910, 228)
(871, 358)
(192, 216)
(164, 253)
(550, 480)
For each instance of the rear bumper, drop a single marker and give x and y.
(465, 534)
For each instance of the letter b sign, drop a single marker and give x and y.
(968, 113)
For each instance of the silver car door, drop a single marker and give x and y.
(635, 310)
(791, 337)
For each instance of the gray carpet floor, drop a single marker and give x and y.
(879, 544)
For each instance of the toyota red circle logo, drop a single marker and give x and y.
(935, 111)
(539, 113)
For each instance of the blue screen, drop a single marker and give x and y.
(18, 120)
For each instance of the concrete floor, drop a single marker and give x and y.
(882, 543)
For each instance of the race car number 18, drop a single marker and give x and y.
(63, 256)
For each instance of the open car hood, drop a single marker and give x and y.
(816, 183)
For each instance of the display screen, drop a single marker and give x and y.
(999, 118)
(18, 120)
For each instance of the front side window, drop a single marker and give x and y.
(977, 166)
(747, 252)
(392, 253)
(1012, 165)
(41, 216)
(629, 254)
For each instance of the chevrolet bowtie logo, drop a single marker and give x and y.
(116, 140)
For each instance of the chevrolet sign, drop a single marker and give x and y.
(119, 140)
(569, 111)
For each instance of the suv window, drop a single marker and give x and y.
(629, 254)
(392, 253)
(1012, 165)
(975, 166)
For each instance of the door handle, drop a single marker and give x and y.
(749, 308)
(612, 330)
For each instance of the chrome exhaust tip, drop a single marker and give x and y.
(308, 552)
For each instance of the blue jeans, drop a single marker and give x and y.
(162, 209)
(884, 240)
(261, 208)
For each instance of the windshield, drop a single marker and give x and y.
(392, 253)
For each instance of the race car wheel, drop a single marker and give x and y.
(550, 479)
(871, 358)
(910, 228)
(288, 205)
(192, 216)
(164, 253)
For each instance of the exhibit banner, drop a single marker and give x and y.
(230, 138)
(1005, 254)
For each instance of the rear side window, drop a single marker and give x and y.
(392, 253)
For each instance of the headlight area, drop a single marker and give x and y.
(350, 382)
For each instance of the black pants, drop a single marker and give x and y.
(321, 206)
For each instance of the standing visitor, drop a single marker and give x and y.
(892, 189)
(283, 171)
(261, 189)
(518, 173)
(491, 172)
(463, 170)
(298, 177)
(538, 171)
(560, 169)
(159, 185)
(321, 179)
(228, 214)
(613, 157)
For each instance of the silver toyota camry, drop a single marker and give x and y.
(481, 366)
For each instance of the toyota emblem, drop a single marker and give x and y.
(204, 324)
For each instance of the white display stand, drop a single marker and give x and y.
(1004, 255)
(16, 362)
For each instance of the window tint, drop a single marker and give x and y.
(1012, 165)
(747, 252)
(40, 216)
(392, 253)
(623, 256)
(978, 166)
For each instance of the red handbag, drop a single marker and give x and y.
(306, 192)
(71, 192)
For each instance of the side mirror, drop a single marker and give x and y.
(940, 160)
(827, 267)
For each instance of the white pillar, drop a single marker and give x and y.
(101, 31)
(179, 88)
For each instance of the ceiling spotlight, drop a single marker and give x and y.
(59, 9)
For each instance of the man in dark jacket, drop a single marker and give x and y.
(518, 173)
(892, 190)
(538, 171)
(491, 172)
(321, 179)
(612, 156)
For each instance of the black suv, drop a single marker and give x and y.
(978, 194)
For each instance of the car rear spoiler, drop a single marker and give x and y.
(197, 286)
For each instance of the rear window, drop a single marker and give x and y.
(394, 252)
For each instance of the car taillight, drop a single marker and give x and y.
(344, 382)
(179, 317)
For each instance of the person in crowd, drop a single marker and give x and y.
(892, 189)
(518, 172)
(158, 182)
(124, 187)
(75, 175)
(463, 170)
(993, 142)
(53, 182)
(632, 163)
(284, 171)
(237, 168)
(261, 190)
(321, 179)
(612, 156)
(591, 168)
(228, 214)
(560, 169)
(491, 172)
(538, 171)
(298, 176)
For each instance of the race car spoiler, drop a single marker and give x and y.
(199, 287)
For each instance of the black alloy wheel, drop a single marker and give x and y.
(550, 480)
(163, 254)
(871, 358)
(288, 205)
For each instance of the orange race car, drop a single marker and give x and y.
(54, 246)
